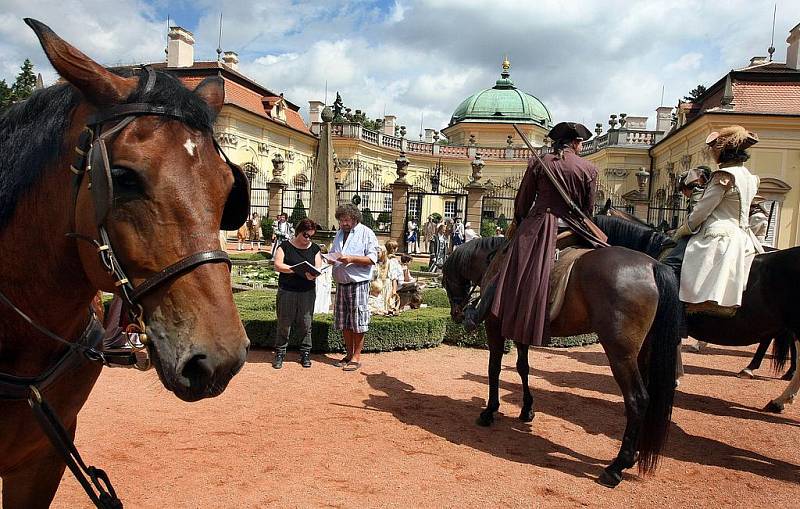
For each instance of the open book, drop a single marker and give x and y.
(303, 268)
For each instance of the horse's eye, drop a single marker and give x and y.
(125, 180)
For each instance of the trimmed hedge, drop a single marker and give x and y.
(423, 328)
(415, 329)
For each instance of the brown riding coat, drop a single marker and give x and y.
(521, 298)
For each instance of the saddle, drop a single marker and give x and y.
(710, 309)
(559, 277)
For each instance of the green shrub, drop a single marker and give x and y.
(421, 328)
(368, 219)
(298, 212)
(266, 228)
(415, 329)
(435, 298)
(258, 256)
(488, 228)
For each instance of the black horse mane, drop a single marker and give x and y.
(458, 262)
(32, 131)
(638, 237)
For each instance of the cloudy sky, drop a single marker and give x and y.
(417, 58)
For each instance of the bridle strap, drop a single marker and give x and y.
(175, 269)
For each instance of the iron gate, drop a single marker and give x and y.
(363, 186)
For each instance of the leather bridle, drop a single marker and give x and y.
(92, 159)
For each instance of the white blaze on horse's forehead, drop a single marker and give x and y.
(189, 146)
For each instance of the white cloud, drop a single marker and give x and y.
(584, 60)
(687, 62)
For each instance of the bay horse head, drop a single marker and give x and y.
(154, 190)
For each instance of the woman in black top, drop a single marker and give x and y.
(296, 293)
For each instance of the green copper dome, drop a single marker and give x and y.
(502, 103)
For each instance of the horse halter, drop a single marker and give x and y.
(92, 159)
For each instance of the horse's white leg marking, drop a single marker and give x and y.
(793, 387)
(189, 146)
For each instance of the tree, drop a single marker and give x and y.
(6, 95)
(298, 212)
(695, 93)
(22, 88)
(502, 222)
(367, 219)
(488, 227)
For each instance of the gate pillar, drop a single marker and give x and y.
(475, 192)
(276, 188)
(400, 189)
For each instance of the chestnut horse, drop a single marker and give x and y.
(153, 174)
(631, 302)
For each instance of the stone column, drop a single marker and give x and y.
(276, 186)
(323, 198)
(475, 192)
(400, 189)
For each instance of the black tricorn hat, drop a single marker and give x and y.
(569, 131)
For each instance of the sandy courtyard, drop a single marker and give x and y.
(401, 433)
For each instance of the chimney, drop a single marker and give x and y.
(315, 111)
(663, 118)
(180, 50)
(758, 61)
(793, 53)
(389, 122)
(231, 59)
(429, 135)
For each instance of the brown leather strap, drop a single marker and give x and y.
(181, 266)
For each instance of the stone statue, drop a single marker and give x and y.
(338, 108)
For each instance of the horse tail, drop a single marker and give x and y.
(781, 346)
(663, 339)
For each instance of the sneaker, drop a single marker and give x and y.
(277, 363)
(305, 359)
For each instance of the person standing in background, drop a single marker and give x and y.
(354, 253)
(296, 293)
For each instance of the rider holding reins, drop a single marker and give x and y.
(540, 210)
(721, 245)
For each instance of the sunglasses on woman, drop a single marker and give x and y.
(308, 235)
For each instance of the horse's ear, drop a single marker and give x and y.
(212, 91)
(98, 84)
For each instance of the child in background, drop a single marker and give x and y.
(376, 300)
(322, 304)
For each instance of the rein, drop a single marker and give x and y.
(92, 160)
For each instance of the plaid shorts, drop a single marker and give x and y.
(351, 309)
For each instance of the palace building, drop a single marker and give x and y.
(473, 166)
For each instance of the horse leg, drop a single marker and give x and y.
(527, 413)
(755, 362)
(35, 485)
(626, 373)
(777, 404)
(793, 366)
(495, 343)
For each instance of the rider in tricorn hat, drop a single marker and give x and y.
(721, 246)
(523, 281)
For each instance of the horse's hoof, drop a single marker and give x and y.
(788, 376)
(746, 373)
(609, 479)
(485, 420)
(773, 407)
(526, 415)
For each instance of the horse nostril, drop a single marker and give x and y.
(197, 371)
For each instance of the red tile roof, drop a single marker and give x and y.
(765, 97)
(240, 91)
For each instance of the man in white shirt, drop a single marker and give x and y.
(354, 253)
